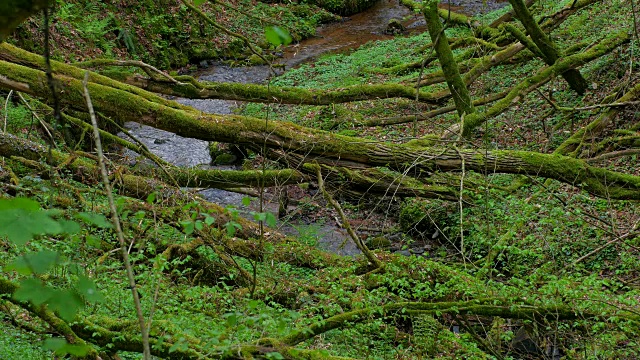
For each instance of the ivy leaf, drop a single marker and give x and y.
(277, 36)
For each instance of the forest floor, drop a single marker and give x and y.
(552, 244)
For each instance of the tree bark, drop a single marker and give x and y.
(324, 147)
(456, 85)
(546, 46)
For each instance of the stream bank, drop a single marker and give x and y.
(331, 38)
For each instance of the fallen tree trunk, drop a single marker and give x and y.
(192, 89)
(457, 87)
(605, 46)
(328, 148)
(550, 53)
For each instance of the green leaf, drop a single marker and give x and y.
(35, 263)
(65, 303)
(246, 201)
(259, 216)
(188, 227)
(21, 219)
(19, 203)
(61, 347)
(32, 290)
(270, 219)
(87, 288)
(231, 228)
(199, 225)
(274, 355)
(232, 319)
(97, 220)
(93, 240)
(69, 226)
(209, 220)
(152, 198)
(198, 2)
(277, 36)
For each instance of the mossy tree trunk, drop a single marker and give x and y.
(457, 87)
(321, 146)
(549, 51)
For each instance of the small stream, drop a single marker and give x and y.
(331, 38)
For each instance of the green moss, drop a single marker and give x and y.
(225, 159)
(378, 242)
(424, 218)
(344, 7)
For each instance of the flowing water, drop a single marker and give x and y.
(331, 38)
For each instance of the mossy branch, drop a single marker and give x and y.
(529, 84)
(345, 223)
(192, 89)
(8, 288)
(513, 309)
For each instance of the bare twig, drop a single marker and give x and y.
(44, 124)
(6, 111)
(116, 222)
(150, 70)
(613, 155)
(345, 223)
(628, 235)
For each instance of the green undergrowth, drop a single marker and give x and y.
(515, 246)
(219, 313)
(163, 33)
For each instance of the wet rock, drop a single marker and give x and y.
(170, 147)
(404, 252)
(394, 27)
(378, 242)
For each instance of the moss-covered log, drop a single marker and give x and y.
(574, 143)
(192, 89)
(487, 307)
(527, 85)
(457, 87)
(429, 115)
(114, 333)
(331, 149)
(548, 49)
(16, 55)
